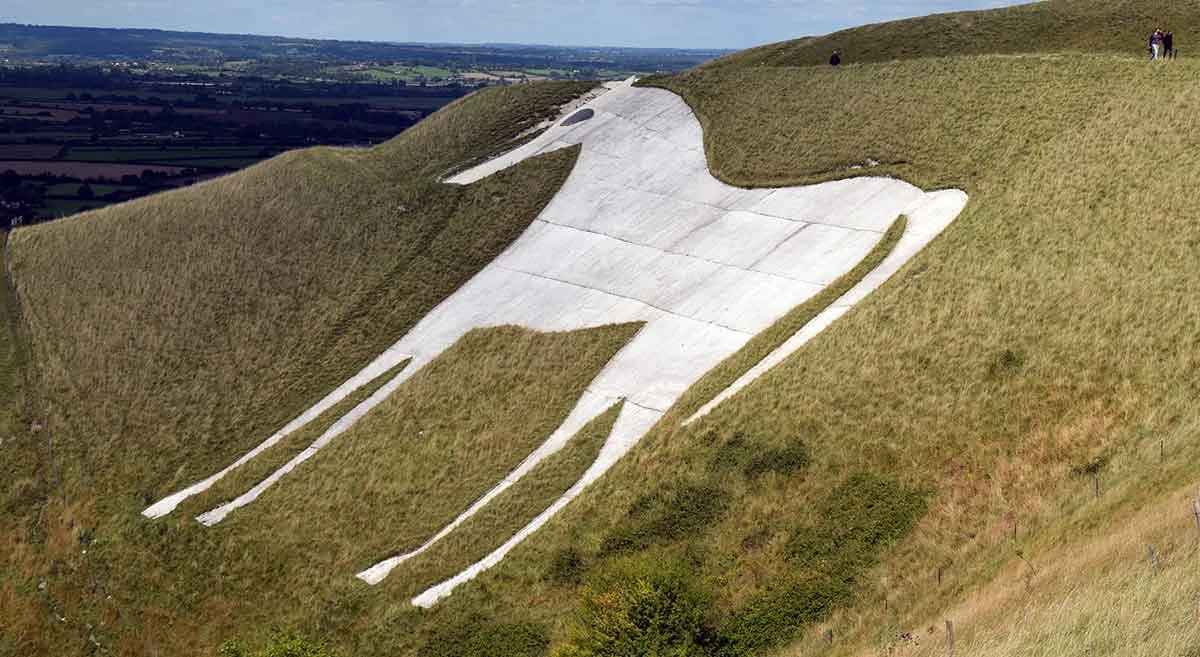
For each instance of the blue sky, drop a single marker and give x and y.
(651, 23)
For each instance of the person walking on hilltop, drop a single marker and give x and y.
(1156, 39)
(836, 58)
(1169, 45)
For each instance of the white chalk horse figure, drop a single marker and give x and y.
(640, 231)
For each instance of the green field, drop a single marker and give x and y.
(65, 207)
(72, 189)
(166, 155)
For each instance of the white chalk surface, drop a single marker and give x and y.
(640, 231)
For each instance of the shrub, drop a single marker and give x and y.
(651, 613)
(772, 618)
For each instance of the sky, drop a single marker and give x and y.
(706, 24)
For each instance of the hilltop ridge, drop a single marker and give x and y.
(1050, 26)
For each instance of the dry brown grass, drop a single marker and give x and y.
(1095, 593)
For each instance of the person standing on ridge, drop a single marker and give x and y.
(1156, 38)
(1169, 45)
(836, 58)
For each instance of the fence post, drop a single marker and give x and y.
(950, 636)
(1196, 512)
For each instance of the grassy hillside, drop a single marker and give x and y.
(1109, 26)
(996, 437)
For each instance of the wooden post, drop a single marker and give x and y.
(1154, 558)
(939, 577)
(1162, 451)
(950, 636)
(1196, 512)
(1096, 484)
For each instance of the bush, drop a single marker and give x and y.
(669, 513)
(652, 613)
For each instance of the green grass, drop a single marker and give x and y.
(383, 488)
(245, 477)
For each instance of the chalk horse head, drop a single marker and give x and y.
(640, 232)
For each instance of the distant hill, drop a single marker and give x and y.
(43, 42)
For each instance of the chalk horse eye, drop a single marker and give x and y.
(578, 117)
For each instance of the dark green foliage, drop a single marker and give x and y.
(753, 459)
(567, 567)
(654, 611)
(669, 513)
(774, 617)
(281, 645)
(1008, 362)
(855, 522)
(478, 637)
